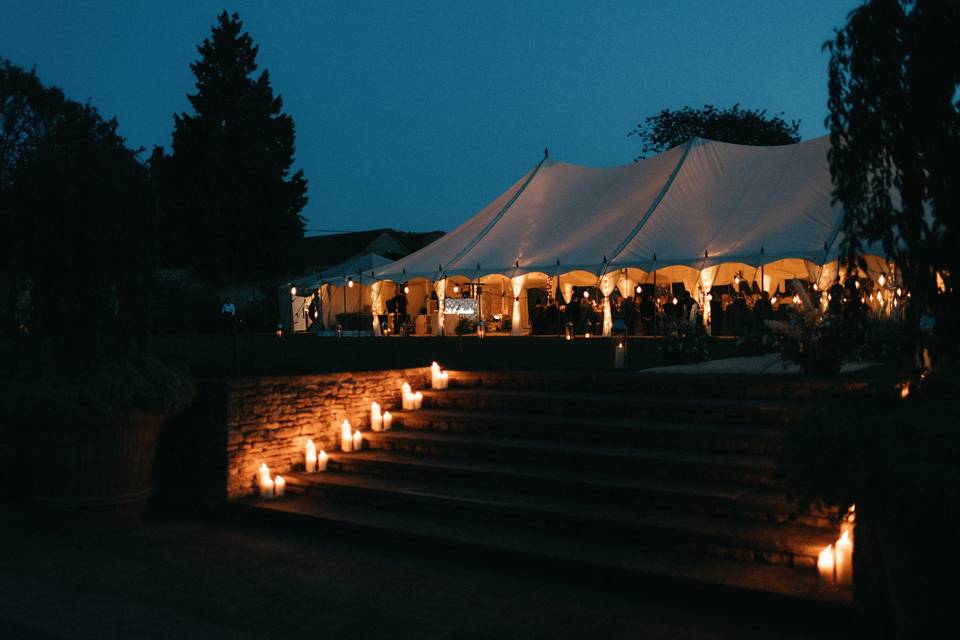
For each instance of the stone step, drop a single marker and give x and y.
(699, 386)
(621, 431)
(602, 487)
(739, 468)
(747, 540)
(613, 559)
(713, 410)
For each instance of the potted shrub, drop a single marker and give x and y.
(82, 403)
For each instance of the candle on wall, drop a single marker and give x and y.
(322, 461)
(346, 437)
(376, 418)
(843, 552)
(279, 486)
(826, 564)
(310, 463)
(387, 420)
(357, 441)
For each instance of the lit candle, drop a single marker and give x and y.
(387, 420)
(376, 419)
(279, 486)
(346, 437)
(266, 484)
(444, 380)
(618, 356)
(435, 376)
(844, 559)
(357, 441)
(322, 461)
(311, 458)
(825, 564)
(406, 396)
(417, 400)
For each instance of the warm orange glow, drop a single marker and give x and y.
(387, 420)
(346, 437)
(904, 390)
(279, 486)
(826, 565)
(322, 459)
(310, 459)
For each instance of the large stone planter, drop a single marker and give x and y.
(98, 473)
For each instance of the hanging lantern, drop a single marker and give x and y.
(350, 282)
(293, 291)
(456, 288)
(406, 289)
(586, 295)
(568, 331)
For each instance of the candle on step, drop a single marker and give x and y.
(322, 461)
(387, 420)
(843, 552)
(618, 356)
(357, 441)
(279, 486)
(417, 400)
(266, 484)
(376, 418)
(346, 437)
(310, 463)
(444, 380)
(826, 565)
(435, 376)
(406, 396)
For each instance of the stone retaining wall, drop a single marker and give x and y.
(269, 419)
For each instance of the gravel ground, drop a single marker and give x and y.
(190, 577)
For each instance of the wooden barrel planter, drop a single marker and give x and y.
(97, 473)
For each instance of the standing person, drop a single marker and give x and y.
(228, 316)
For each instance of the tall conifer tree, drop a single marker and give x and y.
(232, 207)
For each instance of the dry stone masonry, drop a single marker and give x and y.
(269, 419)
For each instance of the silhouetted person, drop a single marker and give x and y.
(648, 314)
(835, 298)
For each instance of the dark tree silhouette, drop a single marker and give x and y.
(75, 219)
(231, 208)
(895, 135)
(669, 128)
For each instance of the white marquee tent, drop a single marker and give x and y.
(699, 213)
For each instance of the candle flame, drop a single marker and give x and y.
(904, 390)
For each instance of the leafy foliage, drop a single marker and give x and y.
(114, 387)
(899, 462)
(685, 341)
(895, 135)
(231, 207)
(669, 128)
(76, 219)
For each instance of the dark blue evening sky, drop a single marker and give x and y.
(415, 114)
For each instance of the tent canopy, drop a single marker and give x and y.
(695, 206)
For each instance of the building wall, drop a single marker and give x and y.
(269, 419)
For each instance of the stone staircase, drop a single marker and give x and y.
(653, 478)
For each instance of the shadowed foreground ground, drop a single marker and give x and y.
(216, 579)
